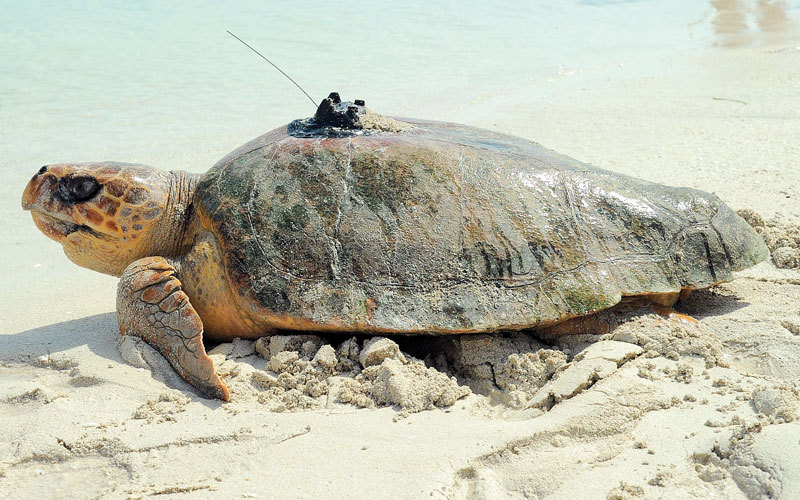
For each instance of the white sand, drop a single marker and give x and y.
(656, 409)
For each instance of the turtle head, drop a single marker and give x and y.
(106, 215)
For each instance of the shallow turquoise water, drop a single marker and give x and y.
(137, 81)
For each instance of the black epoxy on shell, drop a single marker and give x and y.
(334, 118)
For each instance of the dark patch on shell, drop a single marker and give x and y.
(293, 219)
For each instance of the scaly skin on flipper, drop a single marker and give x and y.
(152, 306)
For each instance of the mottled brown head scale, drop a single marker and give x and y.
(104, 214)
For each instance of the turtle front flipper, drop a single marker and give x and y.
(151, 305)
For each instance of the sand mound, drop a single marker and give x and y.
(782, 238)
(513, 371)
(296, 372)
(508, 368)
(758, 459)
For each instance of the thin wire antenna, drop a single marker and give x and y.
(274, 66)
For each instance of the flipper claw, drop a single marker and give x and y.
(173, 328)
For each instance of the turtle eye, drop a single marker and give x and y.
(78, 188)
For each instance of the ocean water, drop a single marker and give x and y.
(163, 84)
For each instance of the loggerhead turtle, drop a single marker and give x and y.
(355, 222)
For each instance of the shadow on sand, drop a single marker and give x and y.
(710, 302)
(99, 333)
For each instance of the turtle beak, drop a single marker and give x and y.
(29, 195)
(48, 213)
(34, 190)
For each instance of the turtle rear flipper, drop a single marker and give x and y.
(152, 306)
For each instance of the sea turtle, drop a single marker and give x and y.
(355, 222)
